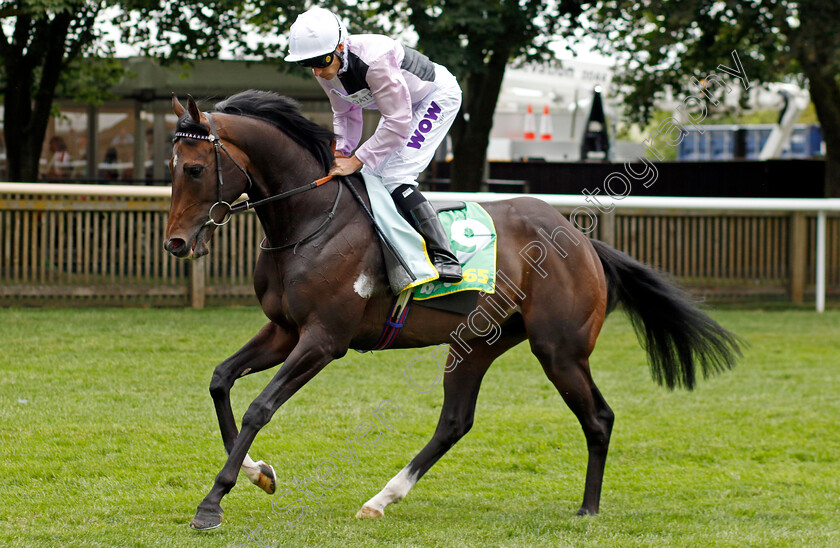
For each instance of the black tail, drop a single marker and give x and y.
(677, 335)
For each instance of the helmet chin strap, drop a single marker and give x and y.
(342, 39)
(341, 59)
(341, 53)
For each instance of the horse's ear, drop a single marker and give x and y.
(177, 106)
(195, 114)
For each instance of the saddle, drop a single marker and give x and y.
(409, 269)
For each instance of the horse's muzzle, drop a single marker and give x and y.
(177, 247)
(191, 248)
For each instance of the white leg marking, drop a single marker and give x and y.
(394, 491)
(251, 469)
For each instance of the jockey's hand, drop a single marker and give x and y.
(346, 166)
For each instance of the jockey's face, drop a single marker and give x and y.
(330, 71)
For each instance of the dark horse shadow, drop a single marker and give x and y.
(323, 288)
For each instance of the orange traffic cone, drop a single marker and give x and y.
(546, 127)
(530, 125)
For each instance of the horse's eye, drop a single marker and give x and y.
(194, 171)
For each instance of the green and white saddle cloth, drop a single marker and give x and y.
(472, 236)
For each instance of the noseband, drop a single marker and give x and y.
(244, 205)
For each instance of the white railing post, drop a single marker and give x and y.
(821, 222)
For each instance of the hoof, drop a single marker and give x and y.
(585, 512)
(207, 519)
(268, 478)
(369, 513)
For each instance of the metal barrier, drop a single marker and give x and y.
(103, 244)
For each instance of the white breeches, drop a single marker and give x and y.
(430, 122)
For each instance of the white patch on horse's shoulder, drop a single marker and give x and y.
(364, 286)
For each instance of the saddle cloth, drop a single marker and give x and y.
(472, 237)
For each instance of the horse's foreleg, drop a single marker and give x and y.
(460, 391)
(268, 348)
(304, 362)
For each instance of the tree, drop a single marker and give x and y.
(663, 44)
(49, 45)
(475, 39)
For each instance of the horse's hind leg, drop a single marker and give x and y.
(460, 391)
(268, 348)
(567, 366)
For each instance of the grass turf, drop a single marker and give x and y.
(109, 438)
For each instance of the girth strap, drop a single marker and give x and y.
(395, 321)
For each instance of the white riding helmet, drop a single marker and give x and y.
(315, 32)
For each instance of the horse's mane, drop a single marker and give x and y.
(281, 112)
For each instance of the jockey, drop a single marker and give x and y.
(417, 99)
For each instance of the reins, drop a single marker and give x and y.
(245, 205)
(321, 227)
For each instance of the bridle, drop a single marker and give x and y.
(245, 205)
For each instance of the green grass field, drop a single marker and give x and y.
(109, 438)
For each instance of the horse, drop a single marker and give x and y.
(320, 280)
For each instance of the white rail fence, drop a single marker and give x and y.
(66, 245)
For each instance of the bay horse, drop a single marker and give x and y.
(321, 282)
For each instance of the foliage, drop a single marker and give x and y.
(108, 437)
(475, 39)
(176, 31)
(84, 79)
(663, 44)
(55, 36)
(466, 35)
(50, 46)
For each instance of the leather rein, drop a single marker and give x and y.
(245, 205)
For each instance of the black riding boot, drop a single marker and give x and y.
(422, 216)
